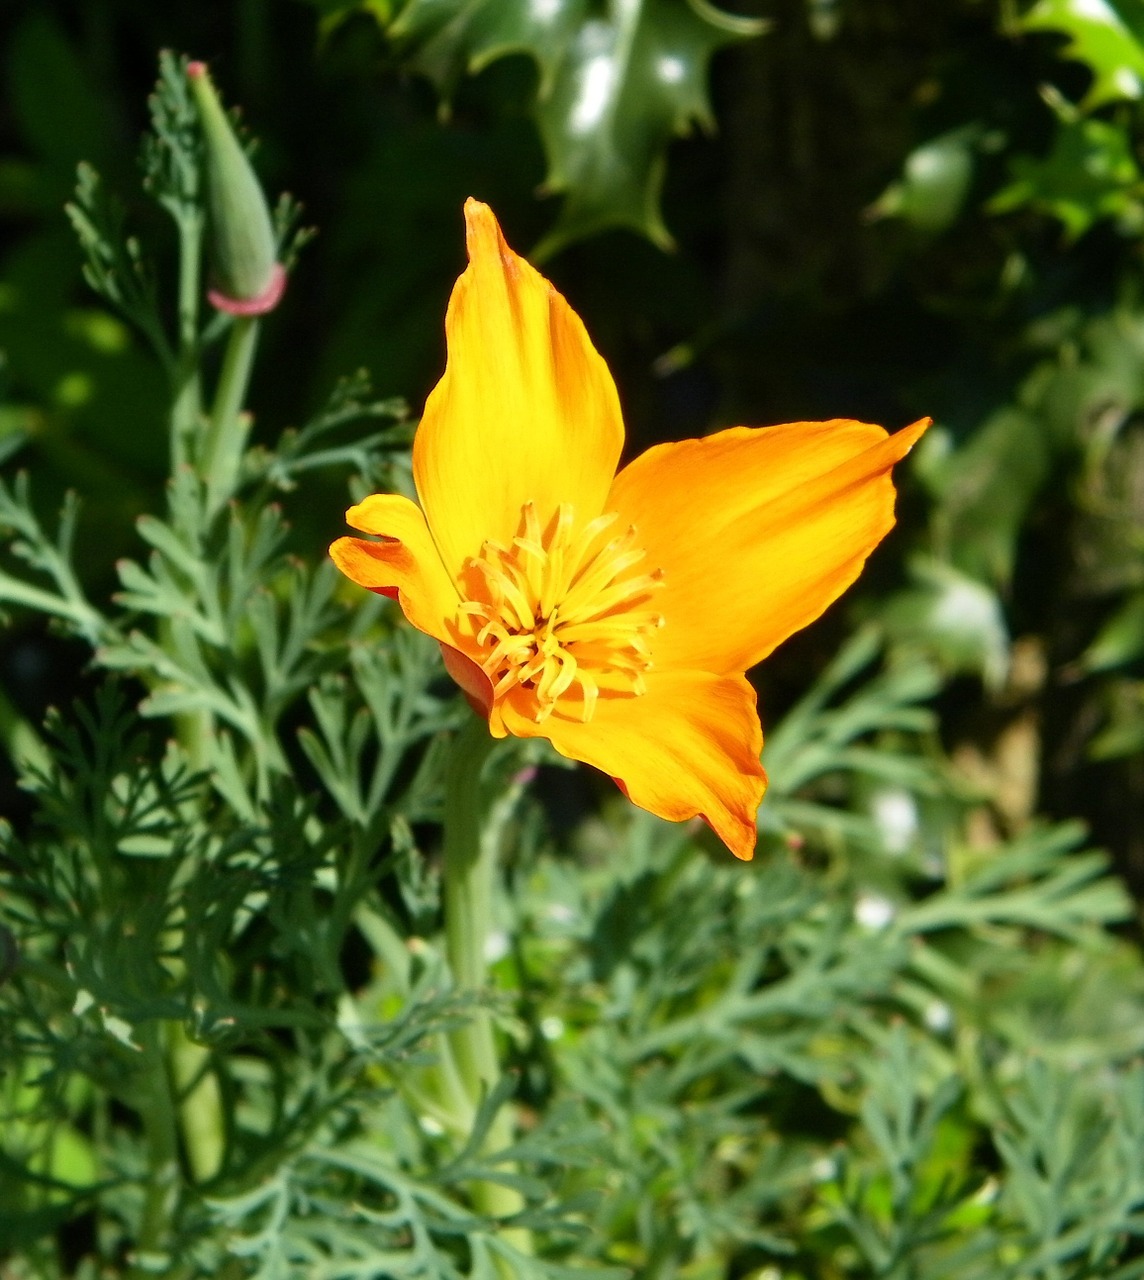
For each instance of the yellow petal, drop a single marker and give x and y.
(687, 747)
(404, 566)
(757, 531)
(525, 412)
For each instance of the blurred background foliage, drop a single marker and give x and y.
(902, 1044)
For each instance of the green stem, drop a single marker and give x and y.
(468, 866)
(200, 1104)
(226, 435)
(470, 871)
(186, 403)
(156, 1106)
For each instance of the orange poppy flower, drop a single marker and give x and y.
(613, 614)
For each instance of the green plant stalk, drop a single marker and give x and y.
(200, 1105)
(157, 1109)
(470, 870)
(186, 405)
(196, 1098)
(192, 727)
(229, 426)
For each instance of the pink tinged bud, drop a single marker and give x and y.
(267, 300)
(248, 280)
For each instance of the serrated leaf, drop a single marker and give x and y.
(1106, 35)
(614, 90)
(455, 38)
(628, 85)
(1090, 174)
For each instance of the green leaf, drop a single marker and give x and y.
(449, 39)
(935, 180)
(172, 152)
(986, 489)
(1089, 174)
(1124, 733)
(613, 91)
(1106, 35)
(953, 616)
(1120, 640)
(115, 266)
(628, 85)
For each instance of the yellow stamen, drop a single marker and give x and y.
(561, 613)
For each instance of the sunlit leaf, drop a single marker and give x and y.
(614, 89)
(1089, 174)
(1106, 35)
(449, 39)
(627, 86)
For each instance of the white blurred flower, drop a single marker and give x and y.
(938, 1016)
(872, 911)
(496, 945)
(895, 812)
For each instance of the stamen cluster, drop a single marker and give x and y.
(561, 611)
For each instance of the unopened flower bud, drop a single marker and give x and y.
(248, 278)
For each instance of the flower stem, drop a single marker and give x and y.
(156, 1106)
(186, 402)
(201, 1117)
(470, 871)
(194, 1107)
(226, 435)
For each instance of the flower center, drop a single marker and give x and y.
(561, 612)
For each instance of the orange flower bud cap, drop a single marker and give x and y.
(248, 278)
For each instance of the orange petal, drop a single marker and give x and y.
(526, 409)
(687, 747)
(404, 566)
(473, 683)
(757, 531)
